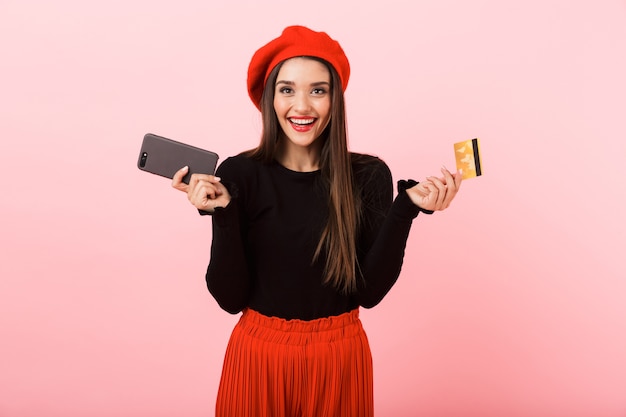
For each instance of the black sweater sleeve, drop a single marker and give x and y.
(385, 228)
(228, 277)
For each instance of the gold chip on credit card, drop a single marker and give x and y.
(467, 155)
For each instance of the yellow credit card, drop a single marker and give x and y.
(467, 154)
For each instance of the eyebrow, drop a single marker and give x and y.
(315, 84)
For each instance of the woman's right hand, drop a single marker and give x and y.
(205, 192)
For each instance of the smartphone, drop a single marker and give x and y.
(163, 156)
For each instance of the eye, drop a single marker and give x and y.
(318, 91)
(285, 90)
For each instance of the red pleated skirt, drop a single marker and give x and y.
(295, 368)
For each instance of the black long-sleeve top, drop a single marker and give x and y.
(265, 239)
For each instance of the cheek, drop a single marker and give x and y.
(279, 105)
(325, 110)
(325, 117)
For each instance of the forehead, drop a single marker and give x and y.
(303, 69)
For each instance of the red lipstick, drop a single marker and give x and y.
(302, 123)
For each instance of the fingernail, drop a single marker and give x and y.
(218, 179)
(186, 167)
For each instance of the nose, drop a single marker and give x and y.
(302, 102)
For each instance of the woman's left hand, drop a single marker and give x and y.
(435, 193)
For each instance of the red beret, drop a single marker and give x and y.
(294, 41)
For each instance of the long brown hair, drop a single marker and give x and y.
(339, 235)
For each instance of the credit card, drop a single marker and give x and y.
(467, 154)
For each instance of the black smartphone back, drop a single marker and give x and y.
(162, 156)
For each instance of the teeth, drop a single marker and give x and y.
(302, 121)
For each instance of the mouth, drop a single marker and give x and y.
(302, 124)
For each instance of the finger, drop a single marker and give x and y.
(438, 182)
(177, 179)
(202, 192)
(441, 188)
(453, 184)
(432, 191)
(205, 177)
(458, 178)
(448, 178)
(451, 187)
(454, 179)
(431, 197)
(193, 182)
(421, 189)
(200, 198)
(197, 178)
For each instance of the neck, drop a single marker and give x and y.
(300, 159)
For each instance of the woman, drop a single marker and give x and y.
(304, 233)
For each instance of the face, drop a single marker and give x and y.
(302, 101)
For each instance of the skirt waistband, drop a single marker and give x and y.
(279, 330)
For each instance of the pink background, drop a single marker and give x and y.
(512, 303)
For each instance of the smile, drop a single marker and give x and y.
(302, 124)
